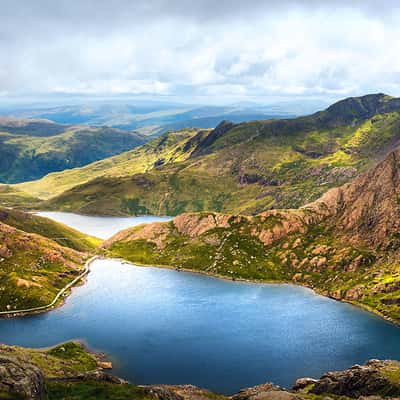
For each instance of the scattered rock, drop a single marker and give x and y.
(105, 364)
(321, 250)
(255, 391)
(355, 293)
(303, 383)
(296, 243)
(178, 392)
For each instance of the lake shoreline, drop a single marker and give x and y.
(146, 310)
(258, 281)
(81, 280)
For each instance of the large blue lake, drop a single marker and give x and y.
(165, 326)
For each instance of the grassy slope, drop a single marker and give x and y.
(60, 233)
(33, 268)
(168, 149)
(38, 257)
(31, 151)
(250, 168)
(60, 361)
(10, 196)
(69, 360)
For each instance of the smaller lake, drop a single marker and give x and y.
(101, 227)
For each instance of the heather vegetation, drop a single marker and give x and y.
(38, 257)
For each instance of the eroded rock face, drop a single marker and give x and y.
(366, 380)
(366, 209)
(266, 391)
(290, 221)
(194, 225)
(25, 380)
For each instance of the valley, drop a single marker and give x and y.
(31, 149)
(242, 168)
(311, 201)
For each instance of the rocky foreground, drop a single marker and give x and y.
(68, 371)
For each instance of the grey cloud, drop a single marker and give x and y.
(104, 14)
(194, 47)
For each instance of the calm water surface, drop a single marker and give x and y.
(101, 227)
(164, 326)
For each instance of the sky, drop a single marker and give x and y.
(205, 49)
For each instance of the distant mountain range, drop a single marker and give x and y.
(30, 149)
(242, 168)
(155, 117)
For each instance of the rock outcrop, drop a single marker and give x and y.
(178, 392)
(366, 380)
(22, 379)
(194, 225)
(266, 391)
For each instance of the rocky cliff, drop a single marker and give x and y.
(367, 209)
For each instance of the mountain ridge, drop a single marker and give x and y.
(235, 168)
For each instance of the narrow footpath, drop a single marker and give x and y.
(57, 297)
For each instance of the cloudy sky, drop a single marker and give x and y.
(223, 49)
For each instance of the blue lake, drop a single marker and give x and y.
(165, 326)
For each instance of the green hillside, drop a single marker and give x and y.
(60, 233)
(164, 150)
(32, 149)
(11, 196)
(236, 168)
(38, 257)
(33, 268)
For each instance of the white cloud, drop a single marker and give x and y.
(209, 48)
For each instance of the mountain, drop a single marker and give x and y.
(31, 149)
(157, 117)
(38, 257)
(344, 245)
(166, 149)
(241, 168)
